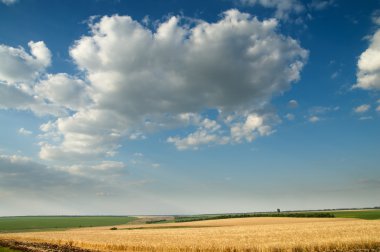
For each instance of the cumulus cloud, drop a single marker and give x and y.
(142, 80)
(25, 86)
(17, 65)
(362, 108)
(233, 129)
(207, 133)
(88, 133)
(19, 71)
(137, 81)
(368, 73)
(65, 90)
(14, 97)
(22, 97)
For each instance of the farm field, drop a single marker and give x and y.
(367, 214)
(17, 224)
(360, 214)
(238, 234)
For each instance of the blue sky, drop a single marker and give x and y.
(174, 107)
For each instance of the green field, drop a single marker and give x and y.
(8, 250)
(361, 214)
(15, 224)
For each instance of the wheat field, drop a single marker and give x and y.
(246, 234)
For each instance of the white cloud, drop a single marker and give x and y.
(368, 73)
(25, 132)
(194, 140)
(206, 134)
(293, 104)
(237, 129)
(85, 134)
(21, 97)
(9, 2)
(64, 90)
(17, 65)
(362, 108)
(378, 108)
(128, 92)
(314, 119)
(142, 80)
(12, 96)
(252, 127)
(19, 71)
(283, 7)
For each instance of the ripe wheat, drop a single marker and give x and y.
(248, 234)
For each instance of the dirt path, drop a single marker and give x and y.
(40, 247)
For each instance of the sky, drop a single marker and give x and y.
(184, 107)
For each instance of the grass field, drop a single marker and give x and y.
(8, 250)
(238, 234)
(361, 214)
(16, 224)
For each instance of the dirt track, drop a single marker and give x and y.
(40, 247)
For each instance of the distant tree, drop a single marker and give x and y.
(278, 210)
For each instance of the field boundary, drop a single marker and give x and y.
(249, 215)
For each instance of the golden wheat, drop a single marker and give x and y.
(246, 234)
